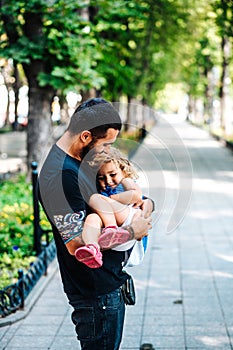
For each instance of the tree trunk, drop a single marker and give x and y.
(16, 87)
(208, 97)
(39, 131)
(128, 115)
(88, 94)
(7, 120)
(223, 90)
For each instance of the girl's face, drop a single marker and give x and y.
(109, 175)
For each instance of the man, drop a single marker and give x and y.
(65, 184)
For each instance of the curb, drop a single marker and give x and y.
(32, 297)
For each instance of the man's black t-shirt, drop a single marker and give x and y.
(63, 184)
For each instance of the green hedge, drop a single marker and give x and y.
(16, 228)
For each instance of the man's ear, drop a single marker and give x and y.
(86, 137)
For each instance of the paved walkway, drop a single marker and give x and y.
(184, 286)
(12, 153)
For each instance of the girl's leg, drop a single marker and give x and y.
(90, 254)
(111, 212)
(92, 229)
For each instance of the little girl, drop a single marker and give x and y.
(116, 182)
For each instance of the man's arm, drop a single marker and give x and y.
(139, 227)
(74, 244)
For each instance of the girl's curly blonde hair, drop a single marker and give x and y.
(114, 155)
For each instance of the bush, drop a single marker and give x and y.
(16, 228)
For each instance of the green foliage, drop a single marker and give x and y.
(55, 34)
(127, 142)
(120, 47)
(10, 264)
(124, 47)
(16, 228)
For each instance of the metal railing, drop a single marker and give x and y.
(13, 296)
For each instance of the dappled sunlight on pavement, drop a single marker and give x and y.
(184, 285)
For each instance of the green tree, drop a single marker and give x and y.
(52, 41)
(224, 22)
(198, 55)
(139, 45)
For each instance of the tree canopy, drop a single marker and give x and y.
(123, 47)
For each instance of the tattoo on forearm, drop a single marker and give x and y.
(130, 229)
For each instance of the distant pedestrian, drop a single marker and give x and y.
(56, 110)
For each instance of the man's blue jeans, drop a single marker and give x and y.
(99, 321)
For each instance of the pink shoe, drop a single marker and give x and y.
(112, 236)
(89, 255)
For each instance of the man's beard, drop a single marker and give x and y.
(88, 152)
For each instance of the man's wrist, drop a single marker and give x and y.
(152, 202)
(130, 229)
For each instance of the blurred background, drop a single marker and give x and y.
(174, 57)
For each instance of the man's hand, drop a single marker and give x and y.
(140, 225)
(147, 207)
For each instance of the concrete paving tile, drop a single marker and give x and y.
(203, 319)
(162, 330)
(131, 342)
(31, 342)
(211, 340)
(43, 319)
(221, 283)
(228, 315)
(132, 320)
(3, 344)
(165, 310)
(67, 320)
(201, 302)
(51, 302)
(230, 330)
(11, 329)
(167, 320)
(194, 265)
(189, 294)
(25, 348)
(8, 335)
(130, 331)
(197, 281)
(47, 310)
(66, 330)
(165, 298)
(208, 347)
(40, 329)
(3, 331)
(211, 329)
(203, 311)
(129, 348)
(65, 342)
(165, 342)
